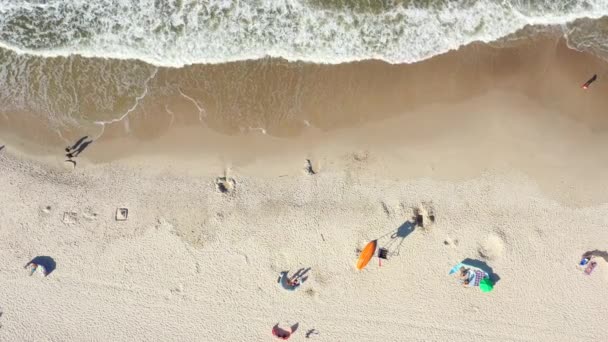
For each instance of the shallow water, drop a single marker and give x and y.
(79, 65)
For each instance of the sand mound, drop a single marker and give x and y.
(225, 185)
(424, 215)
(492, 248)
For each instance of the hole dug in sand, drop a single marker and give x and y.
(122, 214)
(70, 217)
(225, 185)
(424, 216)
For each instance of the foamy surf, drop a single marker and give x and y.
(174, 33)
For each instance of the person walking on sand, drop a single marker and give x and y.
(588, 83)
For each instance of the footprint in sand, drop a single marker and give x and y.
(450, 242)
(46, 209)
(177, 290)
(89, 214)
(361, 156)
(492, 248)
(386, 209)
(312, 293)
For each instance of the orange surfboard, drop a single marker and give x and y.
(366, 255)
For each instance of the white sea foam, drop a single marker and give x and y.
(175, 33)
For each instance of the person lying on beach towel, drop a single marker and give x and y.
(474, 277)
(463, 274)
(471, 277)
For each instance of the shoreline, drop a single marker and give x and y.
(288, 99)
(512, 181)
(559, 152)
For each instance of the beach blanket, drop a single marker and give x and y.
(475, 276)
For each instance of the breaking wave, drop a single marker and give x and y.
(174, 33)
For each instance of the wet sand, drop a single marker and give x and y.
(454, 116)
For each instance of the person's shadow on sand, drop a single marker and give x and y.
(79, 150)
(301, 273)
(311, 332)
(78, 147)
(597, 253)
(76, 144)
(397, 236)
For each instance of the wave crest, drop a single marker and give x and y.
(175, 33)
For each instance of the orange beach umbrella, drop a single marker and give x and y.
(366, 254)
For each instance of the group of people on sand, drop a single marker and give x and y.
(293, 282)
(73, 151)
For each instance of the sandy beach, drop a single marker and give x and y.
(501, 144)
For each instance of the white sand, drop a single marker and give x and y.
(192, 264)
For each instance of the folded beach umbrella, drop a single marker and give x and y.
(455, 268)
(366, 254)
(486, 285)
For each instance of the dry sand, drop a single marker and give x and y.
(512, 182)
(193, 264)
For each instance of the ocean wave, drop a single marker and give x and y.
(174, 33)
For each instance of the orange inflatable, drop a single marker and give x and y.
(366, 255)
